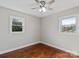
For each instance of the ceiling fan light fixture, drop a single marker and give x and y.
(43, 5)
(43, 9)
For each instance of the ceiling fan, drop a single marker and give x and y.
(43, 5)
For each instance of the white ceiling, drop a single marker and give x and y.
(26, 5)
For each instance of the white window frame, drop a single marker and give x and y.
(65, 17)
(11, 19)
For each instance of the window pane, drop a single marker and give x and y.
(69, 24)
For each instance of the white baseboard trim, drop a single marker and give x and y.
(69, 51)
(6, 51)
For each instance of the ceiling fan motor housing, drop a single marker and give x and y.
(42, 3)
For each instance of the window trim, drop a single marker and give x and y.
(60, 23)
(11, 18)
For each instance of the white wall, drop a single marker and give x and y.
(49, 30)
(11, 40)
(51, 34)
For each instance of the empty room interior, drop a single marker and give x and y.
(39, 28)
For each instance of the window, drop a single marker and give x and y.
(17, 24)
(68, 24)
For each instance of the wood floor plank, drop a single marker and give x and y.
(38, 51)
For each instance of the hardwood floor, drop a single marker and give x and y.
(38, 51)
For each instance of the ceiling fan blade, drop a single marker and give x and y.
(37, 1)
(33, 8)
(50, 8)
(52, 1)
